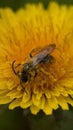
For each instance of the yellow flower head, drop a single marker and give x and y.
(24, 35)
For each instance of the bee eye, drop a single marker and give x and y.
(24, 76)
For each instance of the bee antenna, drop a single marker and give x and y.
(13, 68)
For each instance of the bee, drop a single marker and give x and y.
(43, 56)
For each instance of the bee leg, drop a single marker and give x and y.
(34, 52)
(35, 73)
(30, 55)
(22, 86)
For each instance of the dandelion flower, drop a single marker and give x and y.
(28, 29)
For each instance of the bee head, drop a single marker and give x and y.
(27, 66)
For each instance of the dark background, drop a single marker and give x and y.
(19, 119)
(15, 4)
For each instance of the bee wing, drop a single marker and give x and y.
(49, 48)
(42, 54)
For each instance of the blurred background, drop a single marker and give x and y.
(15, 4)
(19, 119)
